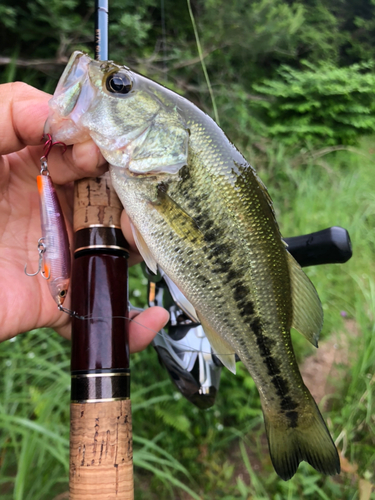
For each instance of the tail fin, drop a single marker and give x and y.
(301, 436)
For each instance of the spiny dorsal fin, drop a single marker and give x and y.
(143, 249)
(220, 346)
(307, 309)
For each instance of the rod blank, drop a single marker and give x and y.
(101, 30)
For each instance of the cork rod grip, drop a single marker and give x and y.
(101, 453)
(96, 202)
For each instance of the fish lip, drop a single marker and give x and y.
(46, 128)
(63, 120)
(74, 60)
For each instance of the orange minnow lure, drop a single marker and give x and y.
(53, 246)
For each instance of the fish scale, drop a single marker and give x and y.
(200, 212)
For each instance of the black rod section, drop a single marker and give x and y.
(101, 30)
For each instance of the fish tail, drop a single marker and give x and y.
(296, 436)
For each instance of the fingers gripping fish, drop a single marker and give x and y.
(200, 212)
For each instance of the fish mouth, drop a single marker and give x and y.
(75, 93)
(76, 70)
(71, 99)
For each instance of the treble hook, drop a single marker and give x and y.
(48, 145)
(41, 250)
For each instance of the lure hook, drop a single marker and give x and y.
(41, 250)
(48, 145)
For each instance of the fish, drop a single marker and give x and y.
(199, 211)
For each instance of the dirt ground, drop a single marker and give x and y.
(328, 366)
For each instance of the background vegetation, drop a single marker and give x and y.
(294, 86)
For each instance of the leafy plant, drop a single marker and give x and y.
(319, 105)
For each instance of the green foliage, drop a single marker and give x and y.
(34, 421)
(137, 287)
(319, 105)
(245, 46)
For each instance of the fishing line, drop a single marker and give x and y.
(164, 38)
(202, 62)
(162, 334)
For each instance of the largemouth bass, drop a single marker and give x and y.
(200, 212)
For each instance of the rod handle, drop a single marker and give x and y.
(101, 451)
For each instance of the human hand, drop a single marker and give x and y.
(26, 303)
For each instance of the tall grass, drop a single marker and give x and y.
(34, 416)
(34, 422)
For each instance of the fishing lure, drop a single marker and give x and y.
(53, 247)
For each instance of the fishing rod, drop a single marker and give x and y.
(101, 454)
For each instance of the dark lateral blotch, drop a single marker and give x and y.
(292, 416)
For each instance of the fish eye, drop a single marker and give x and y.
(62, 293)
(118, 83)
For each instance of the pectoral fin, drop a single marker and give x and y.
(143, 249)
(221, 348)
(307, 309)
(180, 299)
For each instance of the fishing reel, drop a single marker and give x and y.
(184, 349)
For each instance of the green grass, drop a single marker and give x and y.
(219, 453)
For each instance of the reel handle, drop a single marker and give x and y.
(329, 246)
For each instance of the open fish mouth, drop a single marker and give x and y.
(72, 98)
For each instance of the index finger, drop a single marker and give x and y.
(23, 112)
